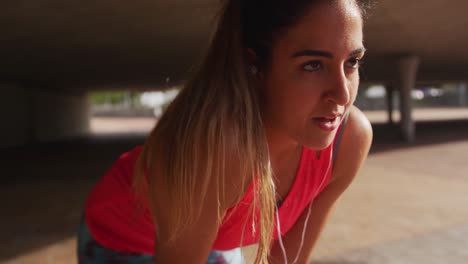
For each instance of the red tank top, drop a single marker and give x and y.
(114, 222)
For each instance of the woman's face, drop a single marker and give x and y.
(313, 77)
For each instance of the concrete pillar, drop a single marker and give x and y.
(408, 68)
(390, 104)
(463, 94)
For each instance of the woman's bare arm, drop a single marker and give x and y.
(194, 243)
(352, 152)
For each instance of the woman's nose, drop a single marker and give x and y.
(338, 91)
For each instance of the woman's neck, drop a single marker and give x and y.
(285, 155)
(281, 147)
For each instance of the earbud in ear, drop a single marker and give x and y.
(253, 69)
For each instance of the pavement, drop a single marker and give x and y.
(408, 205)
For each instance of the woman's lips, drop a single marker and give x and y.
(327, 123)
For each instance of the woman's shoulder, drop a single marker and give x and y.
(359, 126)
(130, 154)
(117, 179)
(353, 149)
(357, 136)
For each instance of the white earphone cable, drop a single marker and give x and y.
(304, 228)
(280, 240)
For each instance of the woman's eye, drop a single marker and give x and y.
(353, 63)
(312, 66)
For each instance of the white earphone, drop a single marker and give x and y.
(253, 69)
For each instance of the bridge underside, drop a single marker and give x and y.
(56, 52)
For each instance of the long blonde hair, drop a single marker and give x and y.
(218, 107)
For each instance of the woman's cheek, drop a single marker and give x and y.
(355, 88)
(307, 82)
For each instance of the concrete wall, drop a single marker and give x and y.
(35, 115)
(59, 116)
(14, 120)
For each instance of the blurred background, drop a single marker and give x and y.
(82, 82)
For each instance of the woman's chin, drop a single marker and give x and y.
(320, 144)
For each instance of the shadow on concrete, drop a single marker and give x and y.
(387, 137)
(44, 186)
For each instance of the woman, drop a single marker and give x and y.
(248, 151)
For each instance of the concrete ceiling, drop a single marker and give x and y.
(84, 43)
(55, 42)
(434, 30)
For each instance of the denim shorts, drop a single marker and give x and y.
(90, 252)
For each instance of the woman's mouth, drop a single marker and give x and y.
(328, 123)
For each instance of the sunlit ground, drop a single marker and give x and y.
(421, 114)
(408, 204)
(121, 125)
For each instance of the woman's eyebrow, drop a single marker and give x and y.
(322, 53)
(319, 53)
(358, 51)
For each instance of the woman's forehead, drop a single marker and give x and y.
(326, 26)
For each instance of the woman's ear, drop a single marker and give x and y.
(253, 69)
(253, 62)
(252, 57)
